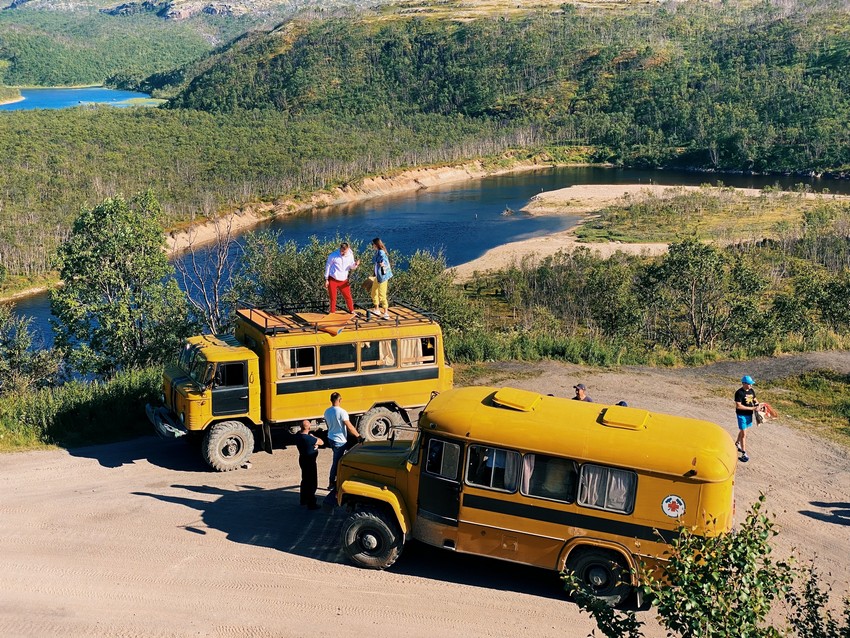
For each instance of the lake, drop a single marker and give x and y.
(463, 219)
(62, 98)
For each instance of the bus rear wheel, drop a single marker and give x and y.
(370, 539)
(227, 445)
(603, 574)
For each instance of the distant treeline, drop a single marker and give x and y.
(84, 46)
(318, 103)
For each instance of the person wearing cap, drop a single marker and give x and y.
(746, 406)
(581, 393)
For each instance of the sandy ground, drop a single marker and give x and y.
(139, 539)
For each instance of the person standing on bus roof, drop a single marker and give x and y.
(746, 406)
(382, 275)
(337, 268)
(581, 393)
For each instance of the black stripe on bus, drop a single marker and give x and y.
(584, 521)
(336, 382)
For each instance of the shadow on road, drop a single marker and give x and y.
(273, 518)
(172, 455)
(838, 513)
(181, 455)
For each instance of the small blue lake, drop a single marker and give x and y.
(63, 98)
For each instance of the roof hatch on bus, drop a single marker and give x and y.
(521, 400)
(618, 416)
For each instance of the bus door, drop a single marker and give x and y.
(230, 389)
(439, 493)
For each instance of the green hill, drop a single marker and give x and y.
(714, 86)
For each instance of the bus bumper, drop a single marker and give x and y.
(164, 423)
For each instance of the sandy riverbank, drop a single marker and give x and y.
(17, 99)
(580, 200)
(251, 215)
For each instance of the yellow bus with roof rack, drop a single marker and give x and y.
(280, 367)
(542, 481)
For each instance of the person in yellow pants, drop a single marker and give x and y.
(383, 273)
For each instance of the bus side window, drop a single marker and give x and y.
(549, 477)
(607, 488)
(492, 467)
(443, 459)
(418, 351)
(337, 359)
(295, 362)
(230, 375)
(378, 354)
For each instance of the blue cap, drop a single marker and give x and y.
(747, 379)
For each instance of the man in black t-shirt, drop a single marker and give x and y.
(746, 406)
(308, 453)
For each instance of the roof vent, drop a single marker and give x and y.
(617, 416)
(522, 400)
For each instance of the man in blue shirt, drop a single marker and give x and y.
(339, 427)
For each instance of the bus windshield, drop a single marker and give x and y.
(200, 369)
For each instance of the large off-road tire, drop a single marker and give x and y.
(375, 424)
(227, 445)
(371, 539)
(603, 574)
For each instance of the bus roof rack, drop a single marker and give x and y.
(302, 316)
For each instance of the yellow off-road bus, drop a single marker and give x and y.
(539, 480)
(279, 368)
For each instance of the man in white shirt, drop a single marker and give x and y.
(339, 427)
(339, 264)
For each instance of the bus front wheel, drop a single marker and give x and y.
(227, 445)
(370, 539)
(603, 574)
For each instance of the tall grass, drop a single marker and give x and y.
(79, 412)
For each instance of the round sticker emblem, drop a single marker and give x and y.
(673, 506)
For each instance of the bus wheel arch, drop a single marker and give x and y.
(604, 572)
(371, 537)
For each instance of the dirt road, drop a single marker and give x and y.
(139, 539)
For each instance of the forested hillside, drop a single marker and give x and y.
(317, 102)
(51, 48)
(763, 88)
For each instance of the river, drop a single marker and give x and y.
(463, 219)
(66, 97)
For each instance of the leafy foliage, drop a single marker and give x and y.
(80, 412)
(279, 274)
(59, 48)
(809, 616)
(720, 586)
(23, 366)
(118, 308)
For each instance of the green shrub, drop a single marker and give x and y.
(722, 586)
(80, 412)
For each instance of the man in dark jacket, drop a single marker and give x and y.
(308, 452)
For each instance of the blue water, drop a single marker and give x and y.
(62, 98)
(463, 219)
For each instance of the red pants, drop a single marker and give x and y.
(345, 288)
